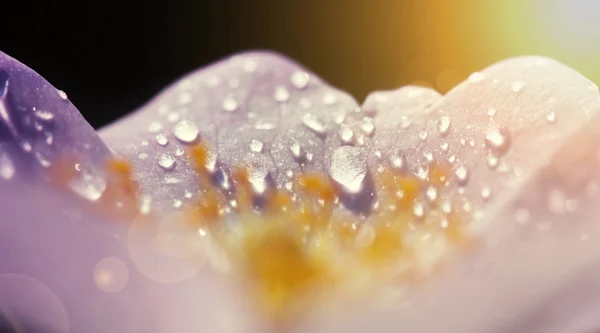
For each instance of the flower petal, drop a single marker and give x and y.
(534, 263)
(64, 265)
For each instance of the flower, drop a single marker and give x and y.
(252, 194)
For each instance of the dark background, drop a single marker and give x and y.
(112, 56)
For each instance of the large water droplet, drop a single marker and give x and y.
(281, 94)
(498, 140)
(229, 104)
(186, 131)
(7, 168)
(166, 162)
(300, 79)
(444, 125)
(314, 124)
(348, 168)
(256, 145)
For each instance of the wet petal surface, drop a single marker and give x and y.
(506, 153)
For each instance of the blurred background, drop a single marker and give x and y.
(112, 57)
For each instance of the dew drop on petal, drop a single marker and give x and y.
(44, 115)
(186, 131)
(297, 151)
(162, 139)
(62, 95)
(229, 104)
(346, 134)
(498, 140)
(462, 174)
(367, 126)
(329, 98)
(423, 135)
(476, 77)
(486, 193)
(348, 168)
(491, 111)
(431, 193)
(444, 125)
(418, 210)
(281, 94)
(516, 86)
(256, 145)
(7, 168)
(551, 117)
(166, 162)
(155, 127)
(300, 79)
(313, 123)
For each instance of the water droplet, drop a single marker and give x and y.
(256, 145)
(186, 131)
(162, 139)
(551, 117)
(155, 127)
(367, 126)
(173, 117)
(431, 193)
(62, 94)
(486, 193)
(142, 156)
(348, 168)
(462, 174)
(498, 140)
(300, 79)
(258, 176)
(522, 215)
(166, 162)
(44, 115)
(423, 135)
(314, 124)
(297, 151)
(444, 146)
(145, 204)
(346, 134)
(229, 104)
(281, 94)
(179, 152)
(329, 98)
(418, 210)
(492, 161)
(491, 111)
(49, 139)
(26, 146)
(88, 186)
(177, 203)
(264, 125)
(444, 125)
(7, 169)
(472, 142)
(476, 77)
(398, 161)
(405, 122)
(516, 86)
(185, 98)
